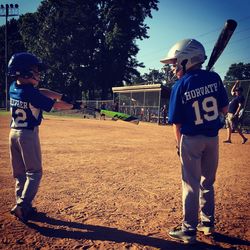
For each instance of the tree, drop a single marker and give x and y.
(62, 33)
(238, 71)
(154, 76)
(136, 80)
(164, 76)
(89, 45)
(168, 74)
(121, 23)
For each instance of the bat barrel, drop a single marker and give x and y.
(222, 41)
(231, 24)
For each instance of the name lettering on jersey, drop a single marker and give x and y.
(192, 94)
(18, 103)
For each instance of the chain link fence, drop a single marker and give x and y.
(143, 101)
(149, 103)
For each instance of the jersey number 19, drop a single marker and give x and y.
(209, 105)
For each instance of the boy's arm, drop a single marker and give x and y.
(51, 94)
(234, 87)
(177, 134)
(62, 101)
(59, 105)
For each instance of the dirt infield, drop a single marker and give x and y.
(115, 185)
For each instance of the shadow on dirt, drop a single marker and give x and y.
(79, 231)
(230, 240)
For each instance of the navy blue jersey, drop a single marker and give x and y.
(26, 105)
(195, 102)
(234, 104)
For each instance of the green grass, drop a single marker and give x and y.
(69, 114)
(4, 112)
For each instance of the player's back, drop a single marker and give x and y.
(203, 95)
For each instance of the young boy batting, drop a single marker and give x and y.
(27, 104)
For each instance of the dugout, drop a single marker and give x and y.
(143, 101)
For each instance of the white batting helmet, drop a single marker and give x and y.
(187, 53)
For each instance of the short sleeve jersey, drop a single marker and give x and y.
(234, 104)
(27, 105)
(195, 102)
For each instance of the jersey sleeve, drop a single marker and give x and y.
(175, 105)
(41, 101)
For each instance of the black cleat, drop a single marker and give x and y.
(20, 214)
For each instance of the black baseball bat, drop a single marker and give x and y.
(222, 41)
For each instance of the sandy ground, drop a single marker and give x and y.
(115, 185)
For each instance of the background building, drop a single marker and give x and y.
(143, 101)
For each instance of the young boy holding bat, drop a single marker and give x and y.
(197, 99)
(26, 106)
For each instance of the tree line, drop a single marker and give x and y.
(89, 46)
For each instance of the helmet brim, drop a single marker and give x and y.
(168, 60)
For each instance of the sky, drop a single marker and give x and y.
(181, 19)
(202, 20)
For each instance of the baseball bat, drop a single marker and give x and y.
(222, 41)
(115, 115)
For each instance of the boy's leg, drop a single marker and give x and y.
(18, 141)
(31, 152)
(191, 148)
(244, 139)
(20, 182)
(209, 166)
(18, 167)
(191, 153)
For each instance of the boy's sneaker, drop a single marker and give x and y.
(206, 227)
(19, 213)
(187, 237)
